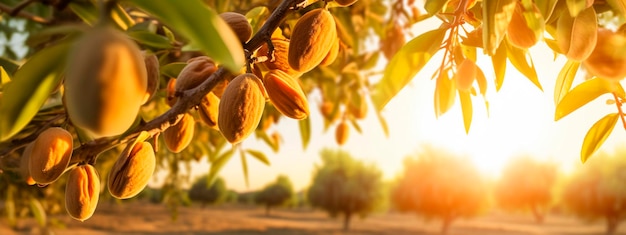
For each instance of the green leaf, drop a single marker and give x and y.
(30, 88)
(305, 131)
(4, 77)
(150, 39)
(466, 107)
(434, 6)
(9, 66)
(496, 18)
(584, 93)
(257, 16)
(244, 165)
(259, 156)
(38, 212)
(597, 134)
(522, 61)
(86, 11)
(576, 6)
(218, 164)
(403, 67)
(445, 94)
(172, 69)
(565, 79)
(499, 65)
(202, 26)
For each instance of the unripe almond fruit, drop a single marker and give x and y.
(577, 36)
(327, 108)
(342, 132)
(209, 110)
(170, 91)
(286, 94)
(153, 74)
(393, 41)
(105, 82)
(24, 164)
(82, 191)
(607, 59)
(311, 39)
(239, 24)
(241, 107)
(519, 33)
(50, 155)
(132, 170)
(465, 75)
(358, 106)
(196, 71)
(178, 137)
(280, 59)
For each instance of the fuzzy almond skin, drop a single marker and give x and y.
(24, 164)
(311, 40)
(195, 72)
(51, 153)
(239, 24)
(82, 192)
(332, 54)
(209, 110)
(241, 107)
(280, 58)
(342, 132)
(286, 94)
(153, 74)
(604, 61)
(178, 137)
(132, 171)
(105, 82)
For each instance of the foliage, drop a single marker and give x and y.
(345, 186)
(597, 191)
(527, 184)
(205, 193)
(437, 184)
(276, 193)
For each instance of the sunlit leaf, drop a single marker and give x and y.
(584, 93)
(496, 18)
(119, 16)
(466, 107)
(86, 11)
(218, 164)
(434, 6)
(244, 165)
(522, 61)
(481, 79)
(499, 65)
(576, 6)
(172, 69)
(445, 94)
(383, 123)
(30, 88)
(546, 7)
(565, 79)
(261, 134)
(257, 16)
(201, 25)
(597, 134)
(305, 131)
(409, 60)
(259, 156)
(38, 212)
(356, 126)
(4, 77)
(150, 39)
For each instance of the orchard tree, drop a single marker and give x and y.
(134, 86)
(205, 193)
(345, 186)
(437, 184)
(527, 184)
(597, 190)
(276, 193)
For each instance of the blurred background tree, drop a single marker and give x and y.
(204, 192)
(527, 184)
(598, 190)
(438, 184)
(276, 193)
(345, 186)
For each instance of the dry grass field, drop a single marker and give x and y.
(144, 218)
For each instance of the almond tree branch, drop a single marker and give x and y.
(189, 98)
(7, 9)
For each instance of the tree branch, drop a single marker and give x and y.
(26, 15)
(189, 98)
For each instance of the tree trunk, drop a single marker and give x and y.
(267, 210)
(447, 221)
(612, 222)
(537, 213)
(346, 221)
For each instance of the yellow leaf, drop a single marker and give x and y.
(522, 61)
(584, 93)
(499, 65)
(445, 93)
(597, 134)
(466, 107)
(565, 79)
(496, 17)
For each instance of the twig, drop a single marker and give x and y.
(26, 15)
(618, 103)
(20, 6)
(189, 98)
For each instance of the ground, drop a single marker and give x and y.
(144, 218)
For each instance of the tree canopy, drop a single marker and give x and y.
(276, 193)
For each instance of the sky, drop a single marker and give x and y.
(520, 123)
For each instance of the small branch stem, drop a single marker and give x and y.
(618, 103)
(12, 11)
